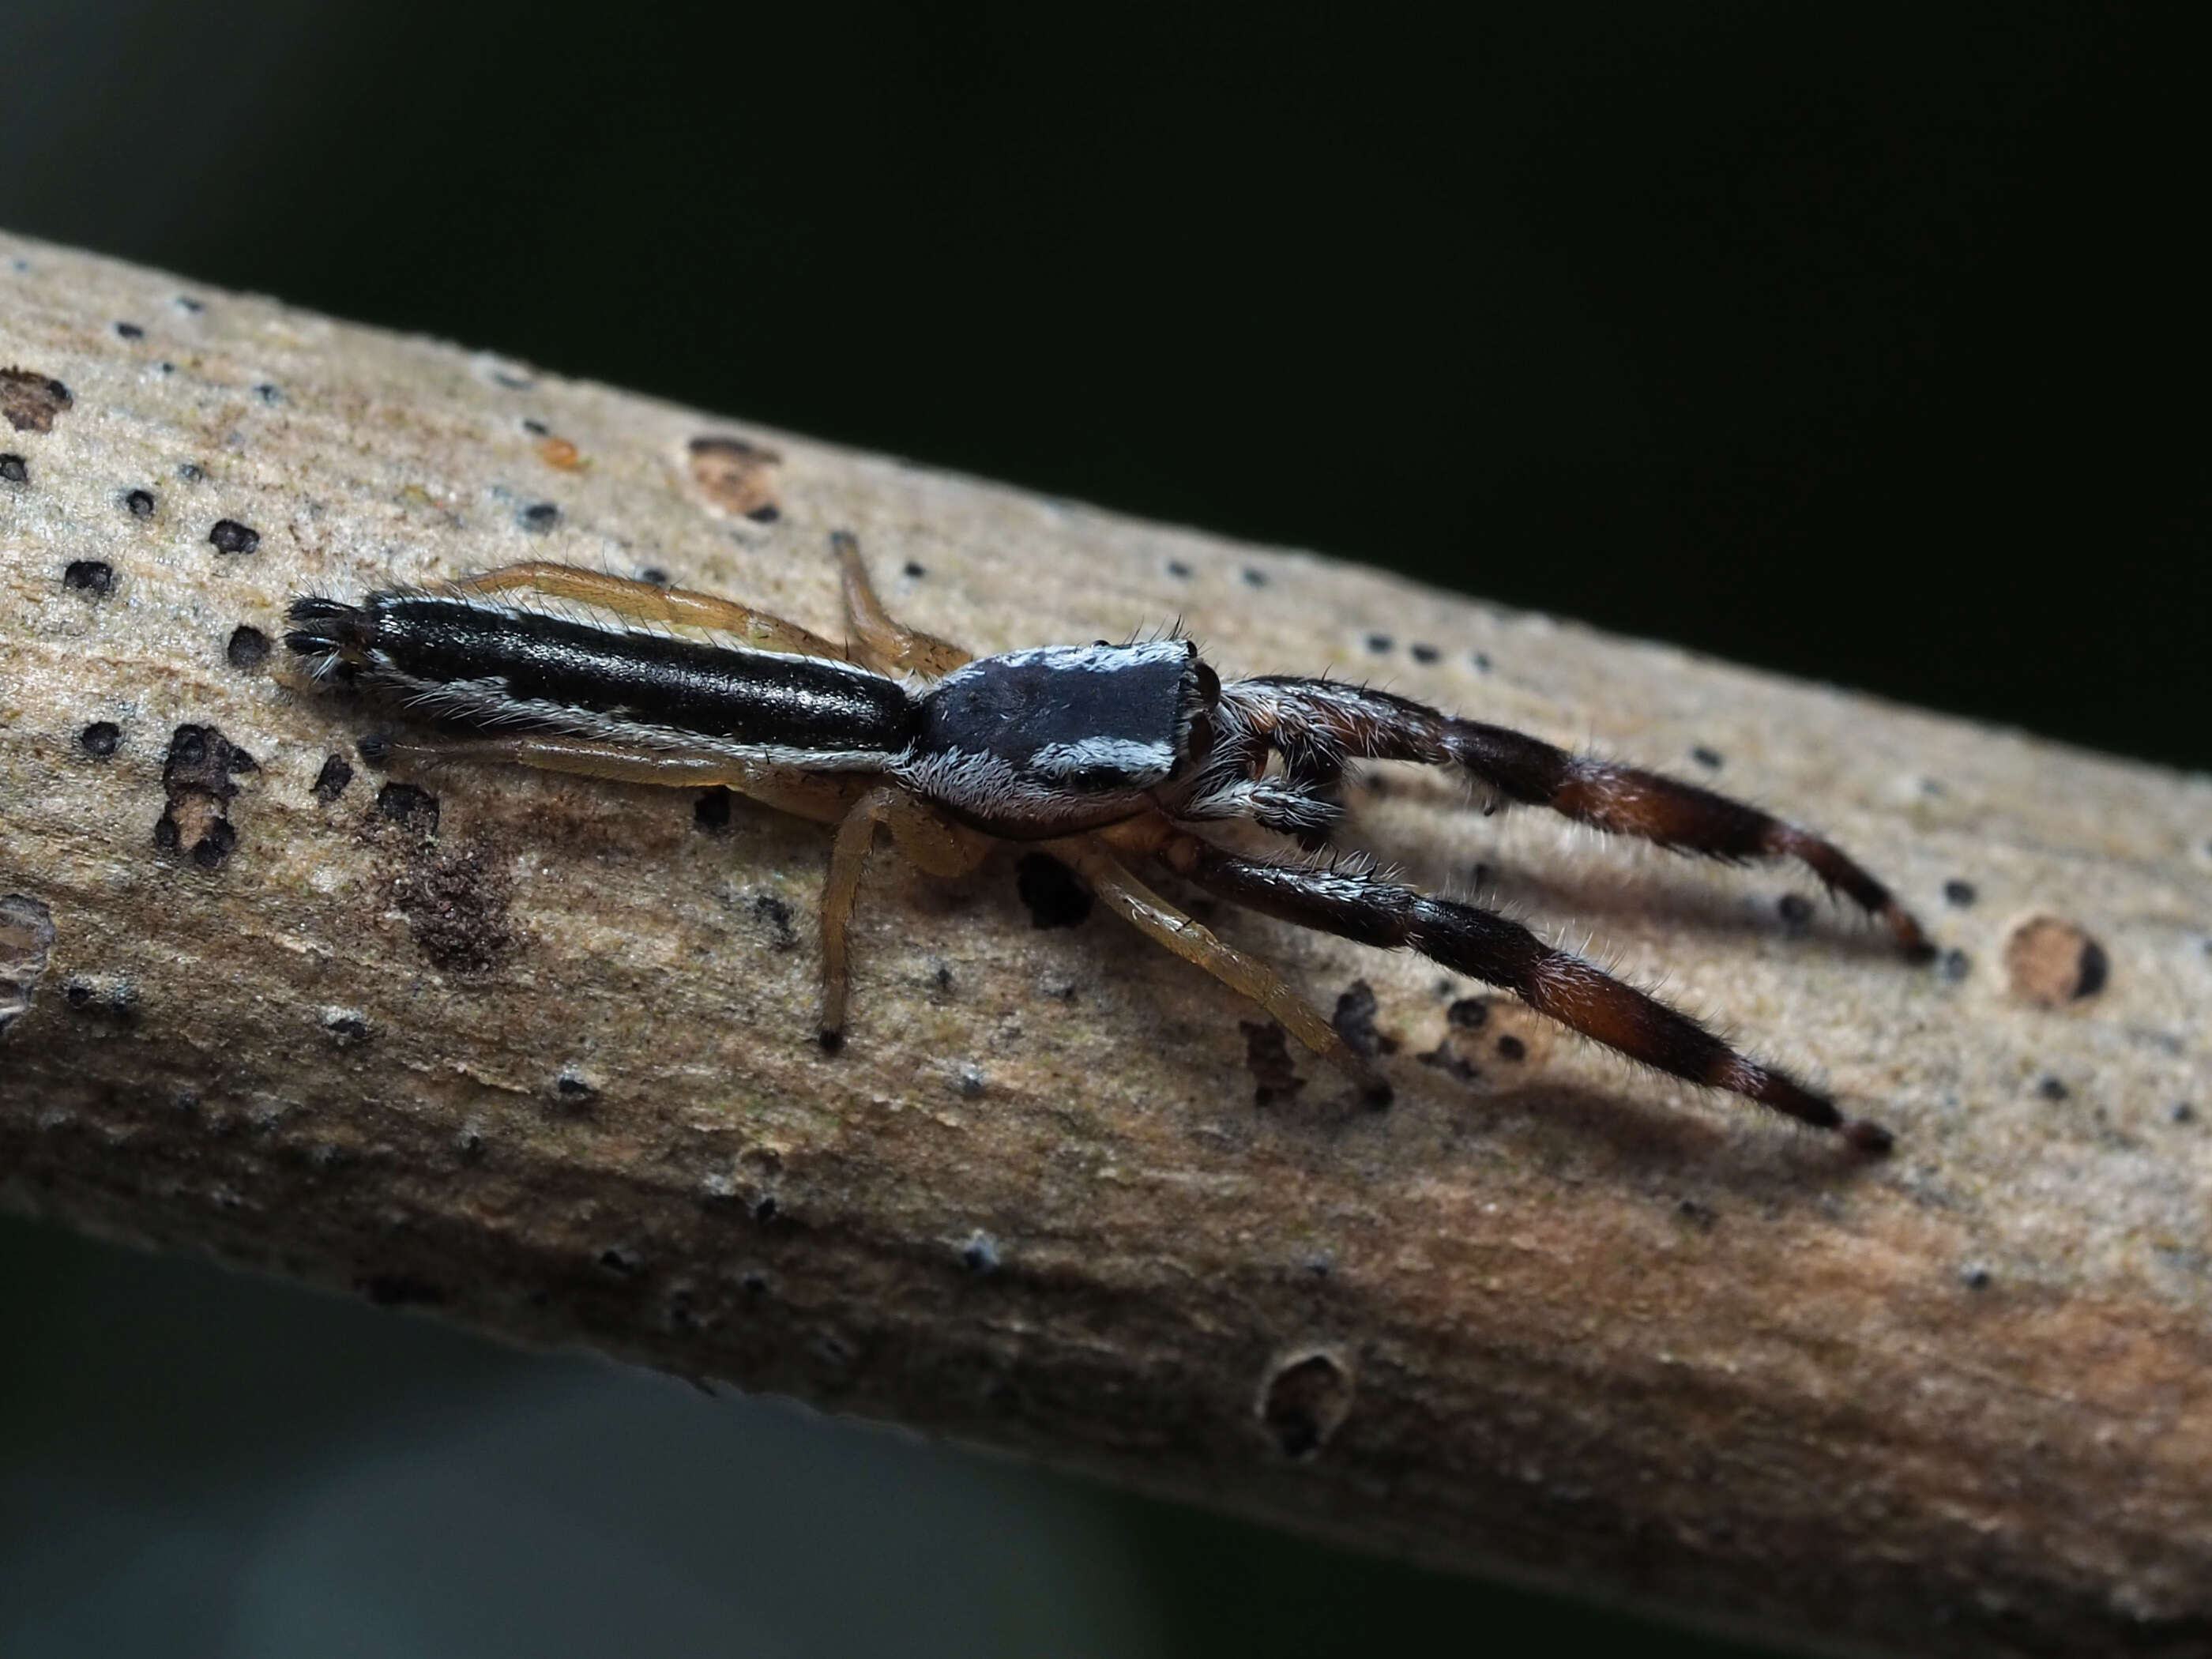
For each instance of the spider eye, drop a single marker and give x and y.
(1095, 777)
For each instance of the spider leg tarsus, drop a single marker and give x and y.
(926, 840)
(1786, 1095)
(1869, 1137)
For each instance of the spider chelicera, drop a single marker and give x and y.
(1102, 754)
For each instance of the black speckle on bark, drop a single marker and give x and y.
(197, 777)
(330, 782)
(1305, 1402)
(1267, 1057)
(229, 536)
(403, 804)
(248, 649)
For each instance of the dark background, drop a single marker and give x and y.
(1867, 345)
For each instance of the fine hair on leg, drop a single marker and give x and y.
(1317, 725)
(1489, 947)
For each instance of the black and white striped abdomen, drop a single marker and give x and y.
(494, 665)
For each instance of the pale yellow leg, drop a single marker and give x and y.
(1160, 922)
(881, 644)
(940, 847)
(824, 797)
(677, 607)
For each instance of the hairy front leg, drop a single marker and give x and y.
(1316, 726)
(1487, 946)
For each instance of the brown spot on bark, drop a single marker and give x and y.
(31, 400)
(1304, 1401)
(2049, 962)
(559, 452)
(737, 476)
(456, 907)
(27, 944)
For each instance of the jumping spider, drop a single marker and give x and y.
(1098, 753)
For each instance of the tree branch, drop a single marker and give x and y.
(537, 1053)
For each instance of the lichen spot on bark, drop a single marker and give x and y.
(2049, 962)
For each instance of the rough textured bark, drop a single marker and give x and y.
(537, 1053)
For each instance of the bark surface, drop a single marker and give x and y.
(537, 1053)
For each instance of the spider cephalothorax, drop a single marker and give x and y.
(1101, 752)
(1033, 745)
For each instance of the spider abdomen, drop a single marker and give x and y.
(496, 664)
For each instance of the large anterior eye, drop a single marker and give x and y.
(1095, 777)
